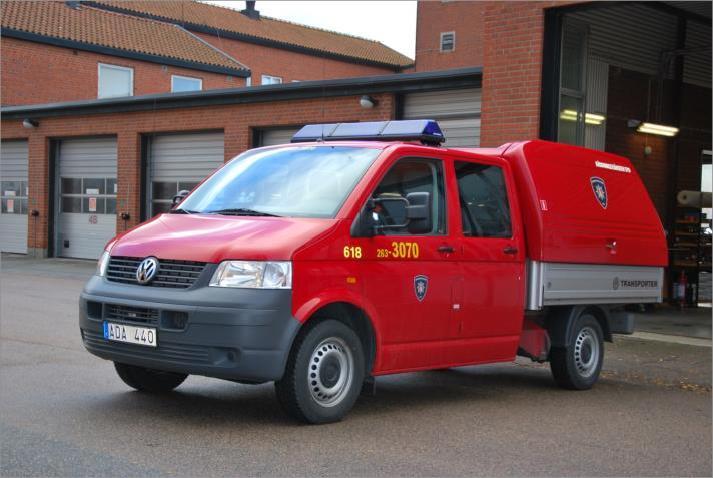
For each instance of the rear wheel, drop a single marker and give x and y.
(324, 373)
(577, 366)
(148, 380)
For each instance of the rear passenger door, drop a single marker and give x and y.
(492, 260)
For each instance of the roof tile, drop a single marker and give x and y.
(265, 28)
(113, 30)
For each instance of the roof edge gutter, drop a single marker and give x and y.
(393, 83)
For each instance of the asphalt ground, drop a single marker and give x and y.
(64, 412)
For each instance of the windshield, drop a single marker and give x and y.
(299, 181)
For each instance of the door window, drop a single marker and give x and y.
(13, 197)
(405, 177)
(485, 211)
(88, 195)
(164, 191)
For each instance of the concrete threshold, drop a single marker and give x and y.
(674, 339)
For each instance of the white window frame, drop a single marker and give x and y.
(183, 77)
(115, 67)
(440, 46)
(249, 81)
(262, 80)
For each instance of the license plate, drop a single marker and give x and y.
(130, 334)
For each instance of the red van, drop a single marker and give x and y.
(366, 249)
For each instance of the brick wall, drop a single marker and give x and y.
(464, 18)
(630, 98)
(288, 65)
(34, 73)
(512, 70)
(237, 122)
(39, 73)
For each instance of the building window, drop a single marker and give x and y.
(249, 81)
(573, 83)
(115, 81)
(185, 83)
(271, 80)
(448, 41)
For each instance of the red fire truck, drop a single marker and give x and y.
(366, 249)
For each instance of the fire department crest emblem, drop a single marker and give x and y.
(420, 287)
(600, 191)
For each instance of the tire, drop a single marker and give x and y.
(577, 366)
(324, 373)
(148, 380)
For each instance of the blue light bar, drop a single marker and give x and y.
(426, 131)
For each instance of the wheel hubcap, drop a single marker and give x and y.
(586, 351)
(330, 372)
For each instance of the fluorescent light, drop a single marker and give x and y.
(659, 129)
(589, 118)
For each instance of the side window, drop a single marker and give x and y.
(448, 41)
(115, 81)
(485, 211)
(405, 177)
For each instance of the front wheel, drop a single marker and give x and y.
(577, 366)
(324, 373)
(148, 380)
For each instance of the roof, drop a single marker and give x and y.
(214, 20)
(392, 83)
(85, 27)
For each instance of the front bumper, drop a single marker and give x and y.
(234, 334)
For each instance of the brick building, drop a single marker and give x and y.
(85, 50)
(589, 73)
(586, 73)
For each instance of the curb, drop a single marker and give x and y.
(674, 339)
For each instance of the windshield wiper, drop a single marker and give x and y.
(241, 211)
(182, 211)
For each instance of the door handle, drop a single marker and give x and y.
(611, 245)
(510, 250)
(446, 249)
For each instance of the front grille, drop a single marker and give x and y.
(136, 315)
(176, 353)
(174, 274)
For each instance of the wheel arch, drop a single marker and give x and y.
(353, 317)
(559, 322)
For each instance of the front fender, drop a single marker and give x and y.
(308, 308)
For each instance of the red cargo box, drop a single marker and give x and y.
(584, 206)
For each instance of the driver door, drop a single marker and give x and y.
(411, 274)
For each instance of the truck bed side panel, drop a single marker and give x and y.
(551, 284)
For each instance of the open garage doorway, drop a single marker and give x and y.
(634, 79)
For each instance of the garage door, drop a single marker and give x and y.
(270, 137)
(13, 196)
(457, 112)
(87, 197)
(180, 161)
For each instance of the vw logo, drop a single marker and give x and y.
(147, 270)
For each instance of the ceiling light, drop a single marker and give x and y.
(659, 129)
(589, 118)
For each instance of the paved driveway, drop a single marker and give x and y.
(63, 412)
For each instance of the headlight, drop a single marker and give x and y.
(103, 264)
(253, 275)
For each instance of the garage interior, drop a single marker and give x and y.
(611, 68)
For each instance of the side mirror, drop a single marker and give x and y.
(364, 224)
(179, 197)
(418, 212)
